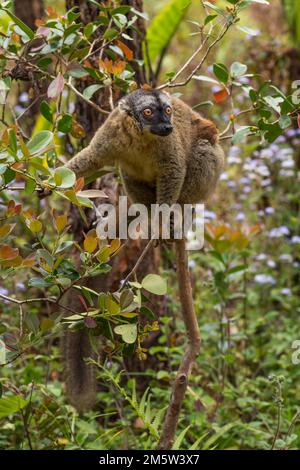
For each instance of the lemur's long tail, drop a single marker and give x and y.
(80, 376)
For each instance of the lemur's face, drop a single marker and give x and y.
(152, 110)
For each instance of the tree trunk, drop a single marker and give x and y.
(29, 11)
(80, 377)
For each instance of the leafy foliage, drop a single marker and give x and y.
(246, 280)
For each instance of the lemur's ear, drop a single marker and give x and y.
(123, 105)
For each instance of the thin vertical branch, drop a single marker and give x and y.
(192, 350)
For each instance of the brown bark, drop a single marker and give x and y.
(29, 11)
(193, 347)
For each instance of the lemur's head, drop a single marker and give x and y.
(151, 109)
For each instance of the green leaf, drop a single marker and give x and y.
(90, 90)
(164, 26)
(10, 405)
(13, 144)
(39, 282)
(209, 443)
(285, 122)
(209, 18)
(237, 70)
(241, 134)
(203, 78)
(2, 348)
(126, 298)
(46, 111)
(28, 31)
(221, 72)
(128, 332)
(110, 34)
(274, 102)
(39, 141)
(215, 8)
(65, 124)
(148, 312)
(179, 438)
(155, 284)
(64, 177)
(246, 30)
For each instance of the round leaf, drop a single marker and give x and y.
(238, 70)
(128, 332)
(66, 177)
(155, 284)
(39, 141)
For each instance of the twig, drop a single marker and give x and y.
(91, 103)
(21, 320)
(279, 407)
(41, 299)
(292, 424)
(171, 83)
(140, 259)
(191, 324)
(25, 419)
(30, 106)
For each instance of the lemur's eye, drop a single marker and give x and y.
(147, 112)
(168, 110)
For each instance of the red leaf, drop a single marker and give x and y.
(79, 184)
(220, 95)
(56, 87)
(126, 51)
(298, 120)
(8, 253)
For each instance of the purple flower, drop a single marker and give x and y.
(269, 210)
(266, 182)
(192, 264)
(295, 239)
(245, 180)
(261, 257)
(240, 217)
(23, 97)
(231, 160)
(247, 189)
(285, 257)
(209, 215)
(224, 176)
(278, 232)
(286, 173)
(264, 279)
(280, 140)
(244, 80)
(286, 291)
(291, 132)
(266, 153)
(288, 163)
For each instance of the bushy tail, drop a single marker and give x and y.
(80, 376)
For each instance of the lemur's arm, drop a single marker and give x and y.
(170, 179)
(100, 152)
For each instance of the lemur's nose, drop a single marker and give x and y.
(168, 128)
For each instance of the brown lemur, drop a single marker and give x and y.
(167, 153)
